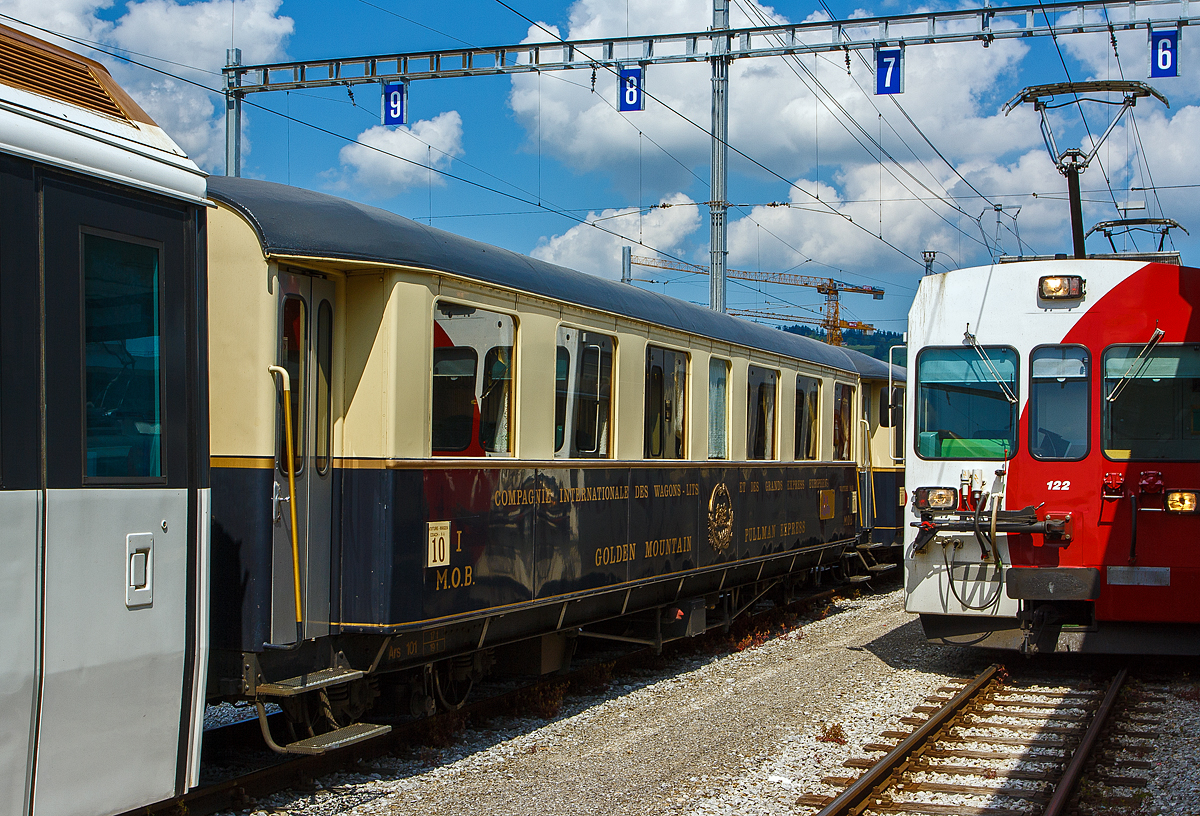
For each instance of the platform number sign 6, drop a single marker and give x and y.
(1164, 53)
(395, 103)
(630, 90)
(889, 70)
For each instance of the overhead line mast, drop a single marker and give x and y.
(719, 46)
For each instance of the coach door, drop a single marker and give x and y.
(122, 543)
(306, 353)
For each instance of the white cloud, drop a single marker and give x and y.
(778, 114)
(194, 34)
(592, 250)
(389, 160)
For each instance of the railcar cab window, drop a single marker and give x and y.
(1151, 406)
(123, 412)
(472, 374)
(808, 398)
(964, 410)
(718, 408)
(1058, 402)
(760, 412)
(666, 390)
(843, 422)
(583, 394)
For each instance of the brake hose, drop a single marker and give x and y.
(980, 536)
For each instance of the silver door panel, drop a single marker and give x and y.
(20, 542)
(110, 704)
(319, 493)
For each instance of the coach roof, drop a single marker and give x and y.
(301, 223)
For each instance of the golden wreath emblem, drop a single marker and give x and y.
(720, 518)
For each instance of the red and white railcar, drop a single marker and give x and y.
(1054, 457)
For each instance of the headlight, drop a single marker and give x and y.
(1181, 501)
(935, 498)
(1060, 287)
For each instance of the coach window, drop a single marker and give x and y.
(1058, 402)
(583, 406)
(666, 387)
(760, 412)
(966, 403)
(562, 379)
(1151, 406)
(293, 352)
(123, 413)
(843, 421)
(324, 383)
(718, 408)
(808, 397)
(472, 381)
(895, 411)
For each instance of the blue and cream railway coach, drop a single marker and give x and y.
(485, 448)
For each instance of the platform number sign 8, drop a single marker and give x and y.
(437, 553)
(889, 70)
(395, 103)
(1164, 53)
(630, 90)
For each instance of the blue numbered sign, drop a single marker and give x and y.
(889, 70)
(631, 97)
(1164, 53)
(395, 103)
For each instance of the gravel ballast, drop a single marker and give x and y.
(741, 733)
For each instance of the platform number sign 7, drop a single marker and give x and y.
(395, 103)
(630, 92)
(889, 70)
(1164, 53)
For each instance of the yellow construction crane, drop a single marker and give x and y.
(832, 314)
(764, 315)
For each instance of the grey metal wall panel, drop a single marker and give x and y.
(110, 706)
(20, 522)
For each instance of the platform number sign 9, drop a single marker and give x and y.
(631, 91)
(395, 103)
(889, 70)
(437, 552)
(1164, 53)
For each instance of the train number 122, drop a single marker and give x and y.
(1058, 485)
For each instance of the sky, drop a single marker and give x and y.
(536, 162)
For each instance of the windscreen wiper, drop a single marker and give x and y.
(969, 339)
(1139, 361)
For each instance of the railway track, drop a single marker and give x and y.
(990, 747)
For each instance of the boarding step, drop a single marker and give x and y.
(307, 682)
(874, 546)
(859, 579)
(358, 732)
(878, 568)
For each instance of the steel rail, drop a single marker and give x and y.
(1074, 770)
(867, 784)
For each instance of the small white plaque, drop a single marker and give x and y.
(437, 553)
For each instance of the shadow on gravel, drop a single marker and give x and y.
(905, 647)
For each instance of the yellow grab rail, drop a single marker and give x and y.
(291, 474)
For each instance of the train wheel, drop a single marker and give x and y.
(452, 684)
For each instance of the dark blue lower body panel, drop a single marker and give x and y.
(549, 547)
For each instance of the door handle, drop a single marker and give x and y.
(139, 569)
(277, 500)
